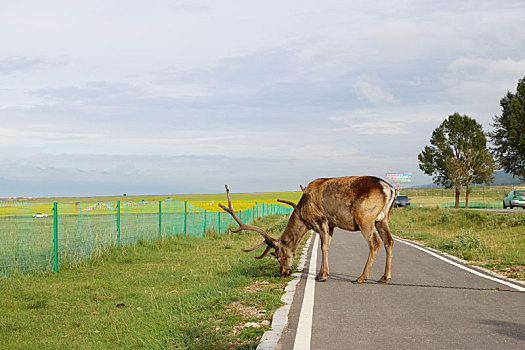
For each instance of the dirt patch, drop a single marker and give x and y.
(259, 285)
(244, 310)
(248, 313)
(517, 272)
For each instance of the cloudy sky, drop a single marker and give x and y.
(164, 97)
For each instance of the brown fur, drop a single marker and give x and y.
(351, 203)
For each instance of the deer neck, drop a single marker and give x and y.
(294, 231)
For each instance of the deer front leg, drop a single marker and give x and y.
(326, 237)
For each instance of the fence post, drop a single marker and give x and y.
(118, 225)
(205, 216)
(185, 215)
(160, 219)
(55, 237)
(218, 222)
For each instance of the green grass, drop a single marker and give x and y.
(438, 195)
(492, 240)
(181, 292)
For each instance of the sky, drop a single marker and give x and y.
(175, 97)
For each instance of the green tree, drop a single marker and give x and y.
(457, 155)
(508, 136)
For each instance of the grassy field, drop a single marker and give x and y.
(439, 196)
(136, 204)
(488, 239)
(181, 292)
(205, 201)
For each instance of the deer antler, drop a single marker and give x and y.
(242, 226)
(302, 188)
(254, 247)
(292, 204)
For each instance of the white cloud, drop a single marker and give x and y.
(380, 128)
(484, 68)
(11, 65)
(476, 85)
(373, 93)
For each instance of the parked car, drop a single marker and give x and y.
(39, 215)
(515, 198)
(402, 201)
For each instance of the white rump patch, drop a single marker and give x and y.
(389, 192)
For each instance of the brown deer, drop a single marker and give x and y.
(351, 203)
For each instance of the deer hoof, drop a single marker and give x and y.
(320, 279)
(384, 279)
(361, 279)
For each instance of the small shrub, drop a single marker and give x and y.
(515, 220)
(473, 216)
(467, 240)
(444, 217)
(465, 245)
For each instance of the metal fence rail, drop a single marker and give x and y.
(74, 232)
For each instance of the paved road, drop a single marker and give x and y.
(428, 304)
(501, 210)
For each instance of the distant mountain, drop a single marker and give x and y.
(503, 178)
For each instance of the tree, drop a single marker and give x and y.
(509, 134)
(477, 163)
(458, 155)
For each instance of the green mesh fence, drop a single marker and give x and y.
(80, 231)
(481, 205)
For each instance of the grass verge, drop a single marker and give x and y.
(181, 292)
(492, 240)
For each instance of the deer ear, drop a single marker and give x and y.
(270, 242)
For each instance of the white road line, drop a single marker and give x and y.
(477, 273)
(304, 328)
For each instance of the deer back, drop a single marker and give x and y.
(340, 201)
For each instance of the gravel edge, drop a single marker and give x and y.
(280, 317)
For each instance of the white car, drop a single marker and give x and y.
(39, 215)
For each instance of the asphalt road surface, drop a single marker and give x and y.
(428, 304)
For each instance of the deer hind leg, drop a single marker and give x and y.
(386, 236)
(326, 237)
(328, 241)
(368, 232)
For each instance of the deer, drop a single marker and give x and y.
(352, 203)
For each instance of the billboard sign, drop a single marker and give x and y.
(399, 177)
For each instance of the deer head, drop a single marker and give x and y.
(283, 252)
